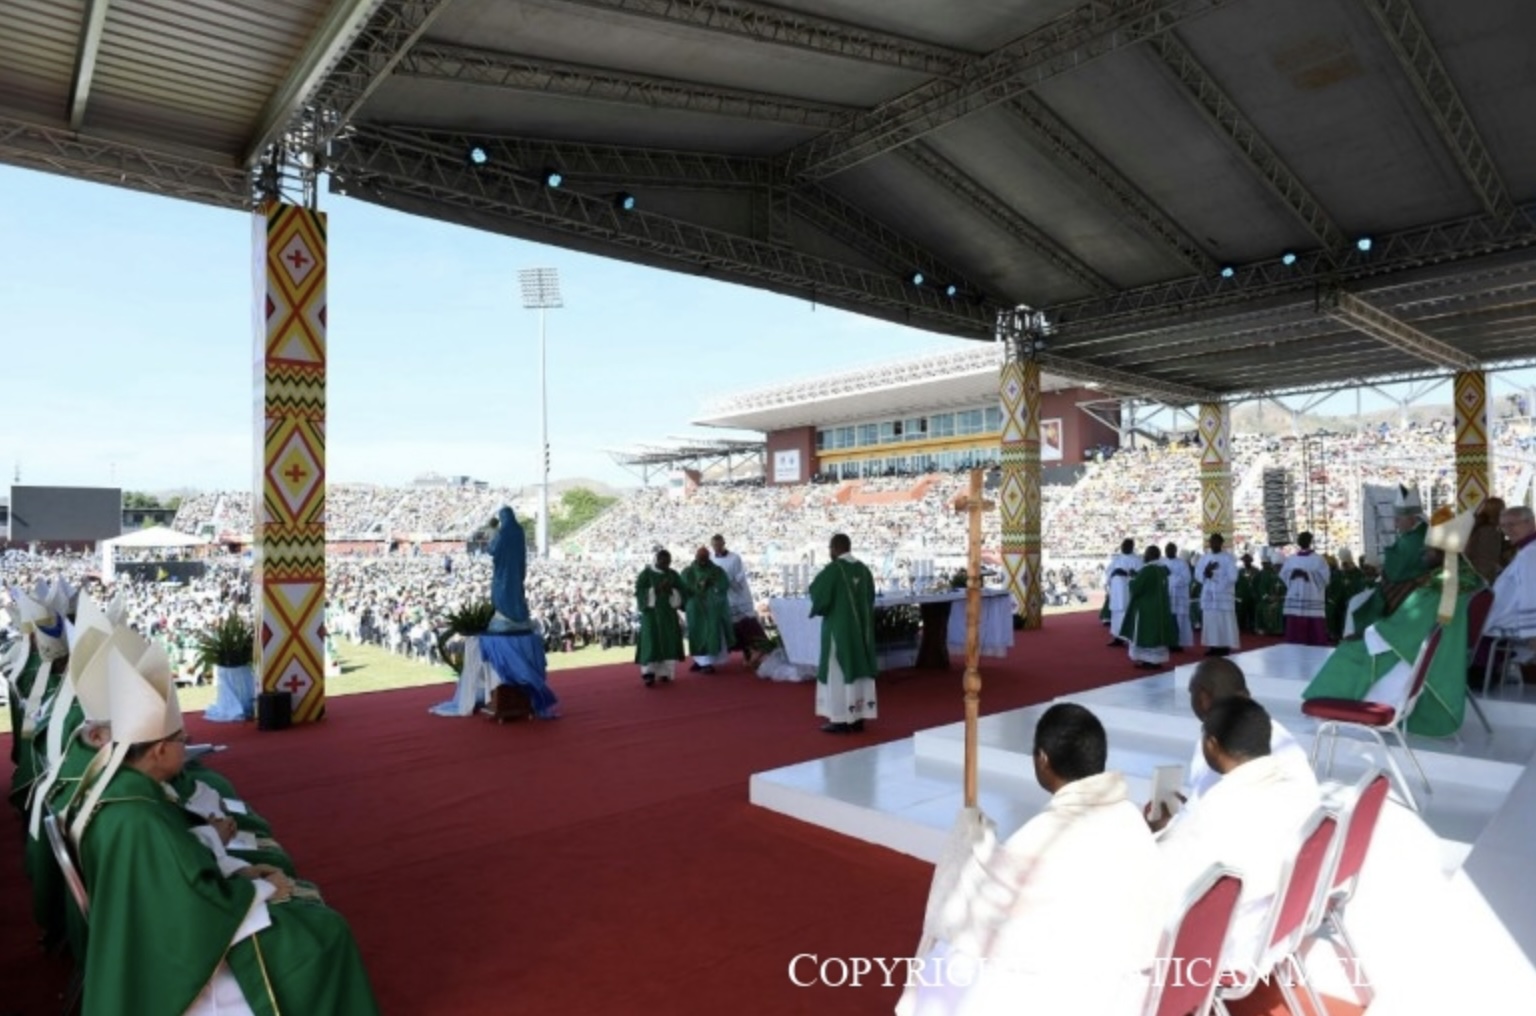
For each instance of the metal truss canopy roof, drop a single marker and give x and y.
(1181, 186)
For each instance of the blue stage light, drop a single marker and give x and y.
(1288, 259)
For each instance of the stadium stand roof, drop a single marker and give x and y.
(967, 377)
(1185, 188)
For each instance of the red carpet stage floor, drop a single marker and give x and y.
(605, 862)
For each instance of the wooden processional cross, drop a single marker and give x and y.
(972, 504)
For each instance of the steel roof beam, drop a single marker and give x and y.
(93, 23)
(395, 27)
(873, 238)
(377, 166)
(1002, 215)
(1125, 381)
(60, 150)
(1349, 309)
(1416, 52)
(551, 77)
(1088, 166)
(779, 26)
(1436, 244)
(1224, 115)
(607, 165)
(1065, 43)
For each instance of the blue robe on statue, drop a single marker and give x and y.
(509, 560)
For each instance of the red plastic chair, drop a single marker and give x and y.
(1377, 720)
(1302, 879)
(1189, 952)
(1358, 818)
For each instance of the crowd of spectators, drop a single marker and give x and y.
(904, 527)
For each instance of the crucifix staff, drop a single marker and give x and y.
(973, 504)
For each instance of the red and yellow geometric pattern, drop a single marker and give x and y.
(1216, 470)
(1019, 491)
(1474, 464)
(290, 484)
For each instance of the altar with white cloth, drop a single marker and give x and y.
(492, 660)
(801, 633)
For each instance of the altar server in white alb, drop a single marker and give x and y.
(1117, 583)
(1514, 591)
(1305, 575)
(1251, 819)
(745, 626)
(1064, 915)
(1217, 574)
(1179, 574)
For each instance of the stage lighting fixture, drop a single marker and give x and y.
(951, 290)
(1288, 259)
(478, 156)
(1227, 271)
(916, 278)
(1363, 245)
(553, 178)
(624, 201)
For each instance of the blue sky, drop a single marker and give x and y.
(127, 348)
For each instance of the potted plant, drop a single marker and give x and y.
(229, 647)
(468, 620)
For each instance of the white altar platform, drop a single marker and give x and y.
(1477, 823)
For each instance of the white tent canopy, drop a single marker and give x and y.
(155, 536)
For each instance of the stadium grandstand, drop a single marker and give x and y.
(937, 412)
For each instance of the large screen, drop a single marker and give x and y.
(74, 514)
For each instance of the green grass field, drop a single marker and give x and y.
(368, 668)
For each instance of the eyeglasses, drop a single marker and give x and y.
(180, 737)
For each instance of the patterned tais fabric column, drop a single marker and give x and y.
(1474, 465)
(1019, 493)
(289, 593)
(1216, 470)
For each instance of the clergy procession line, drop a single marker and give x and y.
(714, 594)
(185, 903)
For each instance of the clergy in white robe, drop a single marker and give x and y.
(1217, 573)
(1179, 577)
(1117, 583)
(1514, 592)
(1250, 820)
(1215, 680)
(1062, 917)
(1305, 575)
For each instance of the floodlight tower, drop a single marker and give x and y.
(541, 292)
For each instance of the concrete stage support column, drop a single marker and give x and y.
(1216, 470)
(1474, 458)
(1019, 492)
(289, 575)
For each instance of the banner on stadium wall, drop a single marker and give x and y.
(1052, 440)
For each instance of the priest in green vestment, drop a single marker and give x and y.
(1346, 582)
(169, 931)
(1149, 629)
(1269, 597)
(1404, 566)
(1245, 594)
(709, 611)
(843, 596)
(659, 595)
(1378, 667)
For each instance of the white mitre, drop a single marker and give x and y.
(142, 703)
(44, 622)
(87, 634)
